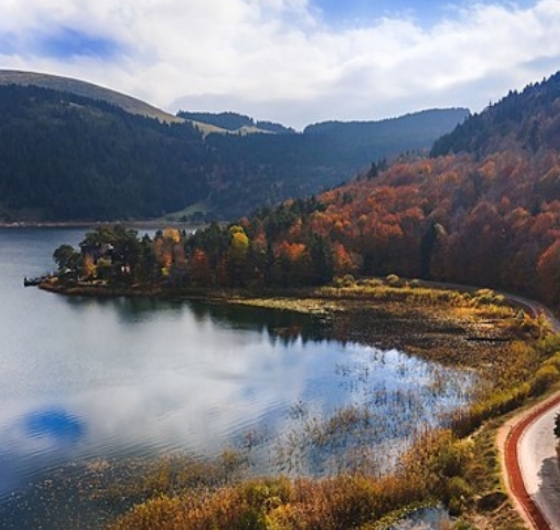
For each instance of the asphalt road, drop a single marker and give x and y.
(531, 463)
(538, 462)
(528, 444)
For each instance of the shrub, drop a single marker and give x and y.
(458, 494)
(545, 377)
(344, 281)
(549, 344)
(553, 361)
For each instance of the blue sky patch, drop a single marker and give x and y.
(8, 44)
(425, 12)
(67, 43)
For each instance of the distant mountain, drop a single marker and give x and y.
(74, 151)
(233, 122)
(263, 169)
(374, 139)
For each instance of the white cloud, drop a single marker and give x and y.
(276, 60)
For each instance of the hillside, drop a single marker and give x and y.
(263, 169)
(74, 151)
(234, 123)
(415, 130)
(67, 157)
(528, 120)
(88, 90)
(490, 217)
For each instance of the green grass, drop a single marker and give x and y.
(201, 207)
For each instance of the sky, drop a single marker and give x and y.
(290, 61)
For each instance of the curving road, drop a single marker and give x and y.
(527, 443)
(536, 454)
(529, 455)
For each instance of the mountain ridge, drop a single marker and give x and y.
(87, 156)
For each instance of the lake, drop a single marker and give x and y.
(97, 380)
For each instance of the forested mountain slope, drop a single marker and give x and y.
(67, 157)
(262, 169)
(74, 151)
(357, 138)
(234, 122)
(488, 218)
(528, 120)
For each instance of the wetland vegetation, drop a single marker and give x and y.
(506, 356)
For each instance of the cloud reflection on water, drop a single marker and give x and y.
(129, 377)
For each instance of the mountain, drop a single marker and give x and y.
(233, 122)
(263, 169)
(390, 135)
(96, 92)
(74, 151)
(483, 210)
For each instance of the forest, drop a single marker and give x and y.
(67, 157)
(487, 217)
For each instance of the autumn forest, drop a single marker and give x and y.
(482, 209)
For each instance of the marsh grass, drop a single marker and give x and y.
(451, 461)
(353, 500)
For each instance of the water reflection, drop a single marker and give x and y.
(83, 378)
(56, 425)
(169, 380)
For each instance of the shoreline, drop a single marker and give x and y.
(418, 320)
(441, 325)
(148, 224)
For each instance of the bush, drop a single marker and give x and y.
(459, 494)
(345, 281)
(553, 361)
(550, 344)
(545, 377)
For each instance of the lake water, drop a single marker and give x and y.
(84, 379)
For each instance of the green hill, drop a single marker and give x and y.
(88, 90)
(74, 151)
(68, 157)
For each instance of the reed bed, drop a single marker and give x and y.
(448, 459)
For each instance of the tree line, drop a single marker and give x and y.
(491, 220)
